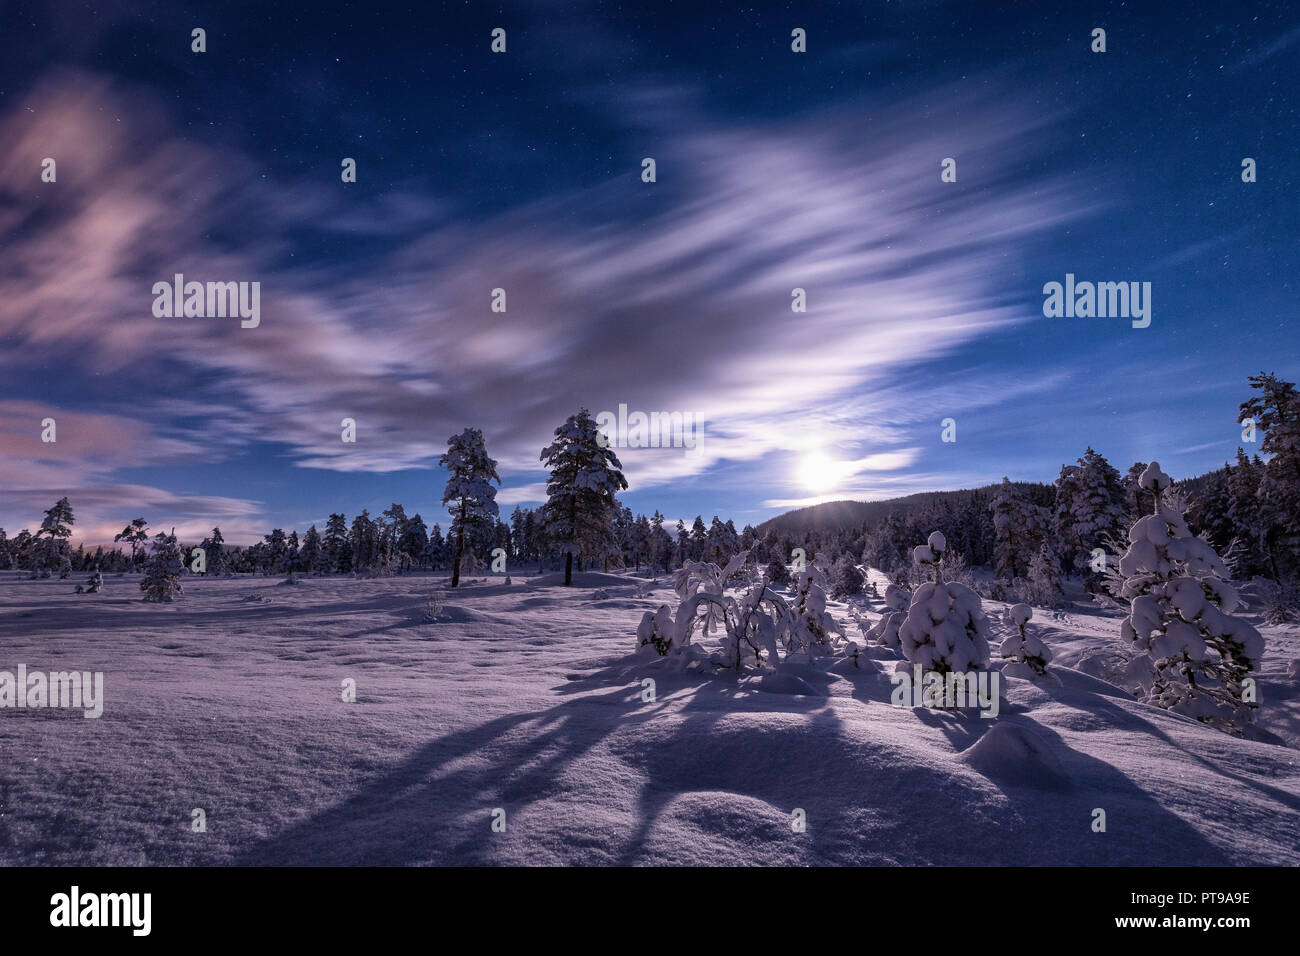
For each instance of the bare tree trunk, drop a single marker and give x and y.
(460, 547)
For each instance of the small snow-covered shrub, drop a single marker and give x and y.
(696, 576)
(656, 630)
(885, 631)
(945, 629)
(810, 630)
(95, 583)
(162, 573)
(1029, 655)
(1281, 603)
(600, 594)
(757, 624)
(433, 606)
(1196, 657)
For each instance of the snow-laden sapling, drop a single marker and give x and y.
(162, 573)
(810, 629)
(885, 631)
(945, 629)
(757, 624)
(1029, 655)
(656, 631)
(705, 576)
(1196, 657)
(433, 606)
(95, 583)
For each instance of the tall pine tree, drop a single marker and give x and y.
(469, 490)
(585, 478)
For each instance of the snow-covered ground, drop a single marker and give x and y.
(526, 698)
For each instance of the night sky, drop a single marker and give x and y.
(522, 171)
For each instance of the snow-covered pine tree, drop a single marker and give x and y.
(1276, 412)
(846, 578)
(1248, 544)
(312, 552)
(1029, 655)
(363, 542)
(809, 628)
(162, 572)
(51, 541)
(1044, 581)
(945, 629)
(276, 551)
(777, 573)
(583, 486)
(135, 534)
(214, 554)
(469, 490)
(1197, 656)
(436, 550)
(293, 556)
(338, 553)
(1019, 527)
(1091, 509)
(413, 541)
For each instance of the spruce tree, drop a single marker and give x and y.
(312, 552)
(1091, 511)
(55, 531)
(469, 490)
(1275, 411)
(945, 629)
(135, 534)
(162, 573)
(214, 553)
(1197, 657)
(338, 552)
(583, 486)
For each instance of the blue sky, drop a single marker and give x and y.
(521, 171)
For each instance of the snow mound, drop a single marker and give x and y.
(458, 614)
(780, 682)
(1014, 755)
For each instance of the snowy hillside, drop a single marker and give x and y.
(528, 698)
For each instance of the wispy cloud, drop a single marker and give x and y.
(684, 305)
(1267, 52)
